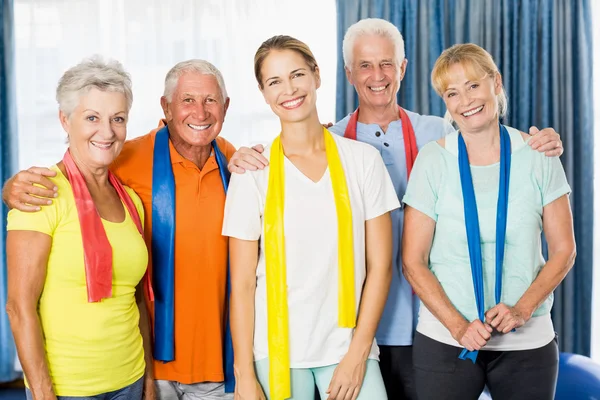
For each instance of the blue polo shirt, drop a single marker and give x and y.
(398, 320)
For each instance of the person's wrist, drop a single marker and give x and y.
(524, 311)
(245, 371)
(458, 329)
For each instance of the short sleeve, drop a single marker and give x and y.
(45, 221)
(242, 219)
(554, 181)
(421, 192)
(379, 194)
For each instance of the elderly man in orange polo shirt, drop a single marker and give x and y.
(179, 170)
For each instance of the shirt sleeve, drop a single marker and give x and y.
(379, 194)
(243, 211)
(554, 181)
(45, 221)
(421, 192)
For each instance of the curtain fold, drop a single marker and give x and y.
(8, 151)
(544, 51)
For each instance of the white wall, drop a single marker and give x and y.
(149, 37)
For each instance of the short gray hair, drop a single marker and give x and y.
(200, 66)
(371, 27)
(93, 72)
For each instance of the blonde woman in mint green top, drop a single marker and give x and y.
(512, 347)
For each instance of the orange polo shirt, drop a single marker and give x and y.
(200, 256)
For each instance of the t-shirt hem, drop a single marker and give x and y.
(556, 195)
(435, 330)
(189, 379)
(414, 204)
(383, 342)
(77, 392)
(318, 364)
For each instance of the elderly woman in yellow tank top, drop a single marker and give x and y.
(75, 297)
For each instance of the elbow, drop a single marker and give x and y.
(571, 256)
(244, 287)
(408, 267)
(14, 312)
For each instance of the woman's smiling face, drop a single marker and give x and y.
(289, 85)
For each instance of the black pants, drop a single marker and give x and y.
(396, 363)
(509, 375)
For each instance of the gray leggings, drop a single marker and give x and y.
(509, 375)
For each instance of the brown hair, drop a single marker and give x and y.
(477, 63)
(281, 42)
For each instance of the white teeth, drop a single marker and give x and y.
(292, 103)
(199, 127)
(378, 89)
(101, 145)
(472, 112)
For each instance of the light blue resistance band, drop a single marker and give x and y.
(472, 224)
(163, 255)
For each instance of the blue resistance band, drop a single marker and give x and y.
(472, 224)
(163, 254)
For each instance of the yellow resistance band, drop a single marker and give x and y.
(277, 308)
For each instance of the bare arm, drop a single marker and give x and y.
(416, 244)
(21, 192)
(144, 325)
(558, 228)
(378, 238)
(349, 374)
(243, 258)
(27, 256)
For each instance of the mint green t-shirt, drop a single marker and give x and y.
(435, 190)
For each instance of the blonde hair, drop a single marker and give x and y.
(477, 63)
(281, 42)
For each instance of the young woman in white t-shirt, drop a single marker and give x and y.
(310, 248)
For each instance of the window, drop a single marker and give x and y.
(149, 37)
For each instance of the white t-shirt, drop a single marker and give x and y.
(311, 247)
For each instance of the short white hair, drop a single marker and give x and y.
(200, 66)
(371, 27)
(94, 72)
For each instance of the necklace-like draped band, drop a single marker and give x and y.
(408, 134)
(472, 224)
(163, 255)
(277, 306)
(98, 257)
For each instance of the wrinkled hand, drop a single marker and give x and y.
(19, 191)
(504, 318)
(347, 378)
(246, 159)
(474, 335)
(149, 389)
(248, 389)
(546, 141)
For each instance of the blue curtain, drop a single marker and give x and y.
(8, 154)
(544, 51)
